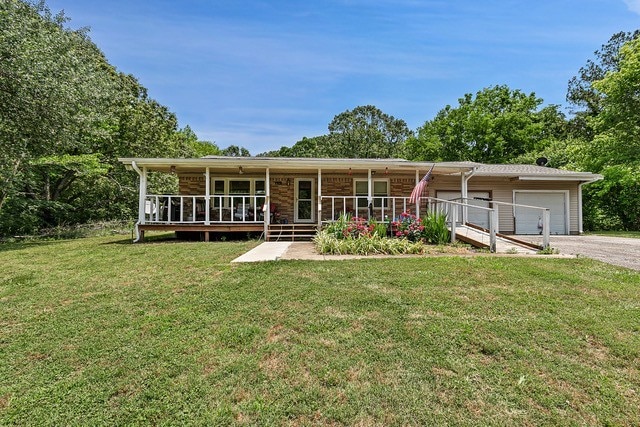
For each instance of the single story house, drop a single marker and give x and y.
(223, 194)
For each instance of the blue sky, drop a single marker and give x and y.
(263, 74)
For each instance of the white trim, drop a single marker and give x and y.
(319, 199)
(207, 193)
(567, 207)
(562, 177)
(370, 190)
(296, 188)
(266, 207)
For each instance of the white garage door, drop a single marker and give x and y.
(474, 216)
(527, 219)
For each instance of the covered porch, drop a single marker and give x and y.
(226, 194)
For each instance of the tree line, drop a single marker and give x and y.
(67, 114)
(503, 125)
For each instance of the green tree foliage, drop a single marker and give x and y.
(495, 126)
(66, 116)
(615, 149)
(235, 151)
(580, 93)
(618, 123)
(364, 132)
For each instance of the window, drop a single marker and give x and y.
(240, 190)
(218, 190)
(380, 190)
(240, 187)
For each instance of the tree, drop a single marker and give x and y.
(51, 101)
(586, 99)
(615, 150)
(495, 126)
(235, 151)
(66, 116)
(366, 132)
(617, 124)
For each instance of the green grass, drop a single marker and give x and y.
(632, 234)
(101, 332)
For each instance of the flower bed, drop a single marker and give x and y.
(408, 234)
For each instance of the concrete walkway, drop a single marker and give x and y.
(267, 251)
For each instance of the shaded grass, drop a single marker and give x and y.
(94, 332)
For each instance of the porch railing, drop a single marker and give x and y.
(381, 208)
(192, 209)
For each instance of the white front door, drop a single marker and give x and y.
(303, 203)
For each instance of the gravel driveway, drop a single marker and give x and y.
(622, 251)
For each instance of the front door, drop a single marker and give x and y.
(303, 203)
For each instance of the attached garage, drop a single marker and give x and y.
(527, 220)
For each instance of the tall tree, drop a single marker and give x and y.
(615, 150)
(235, 151)
(364, 132)
(367, 132)
(582, 95)
(66, 116)
(495, 126)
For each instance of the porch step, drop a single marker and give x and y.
(291, 232)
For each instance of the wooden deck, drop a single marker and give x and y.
(202, 228)
(276, 232)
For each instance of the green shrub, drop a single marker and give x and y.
(354, 227)
(329, 244)
(435, 228)
(408, 226)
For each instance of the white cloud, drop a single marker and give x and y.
(633, 5)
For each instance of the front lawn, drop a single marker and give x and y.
(99, 331)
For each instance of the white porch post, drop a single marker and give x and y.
(266, 211)
(453, 210)
(369, 192)
(464, 194)
(493, 229)
(207, 193)
(319, 199)
(546, 223)
(142, 204)
(418, 200)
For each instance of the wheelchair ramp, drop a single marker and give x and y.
(480, 238)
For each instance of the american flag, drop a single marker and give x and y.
(419, 188)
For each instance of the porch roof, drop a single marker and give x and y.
(293, 163)
(297, 164)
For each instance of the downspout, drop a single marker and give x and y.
(141, 197)
(464, 192)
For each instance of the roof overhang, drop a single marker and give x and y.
(294, 164)
(577, 177)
